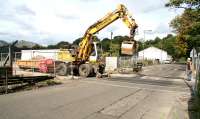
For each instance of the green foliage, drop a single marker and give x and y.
(62, 44)
(38, 47)
(167, 43)
(140, 46)
(156, 43)
(115, 49)
(95, 39)
(186, 4)
(112, 47)
(119, 39)
(52, 47)
(186, 25)
(77, 41)
(106, 44)
(182, 60)
(146, 62)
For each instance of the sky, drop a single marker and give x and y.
(50, 21)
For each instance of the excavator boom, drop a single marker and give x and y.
(85, 46)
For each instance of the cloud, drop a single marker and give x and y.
(162, 28)
(112, 28)
(89, 0)
(153, 8)
(67, 17)
(8, 36)
(4, 33)
(50, 21)
(23, 9)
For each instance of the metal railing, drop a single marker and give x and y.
(2, 58)
(16, 76)
(127, 61)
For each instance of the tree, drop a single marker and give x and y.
(106, 44)
(187, 25)
(167, 43)
(140, 45)
(115, 45)
(77, 41)
(119, 39)
(24, 47)
(95, 39)
(157, 40)
(38, 47)
(115, 50)
(51, 47)
(112, 47)
(185, 4)
(63, 44)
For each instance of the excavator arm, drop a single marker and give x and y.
(85, 46)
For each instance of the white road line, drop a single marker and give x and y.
(135, 87)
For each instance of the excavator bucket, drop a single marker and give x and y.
(128, 47)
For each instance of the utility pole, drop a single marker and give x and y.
(111, 37)
(161, 51)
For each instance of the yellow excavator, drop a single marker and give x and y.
(85, 64)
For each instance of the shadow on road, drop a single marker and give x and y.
(140, 80)
(28, 86)
(193, 104)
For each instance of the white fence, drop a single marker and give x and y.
(122, 62)
(197, 79)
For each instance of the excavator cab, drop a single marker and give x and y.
(96, 52)
(94, 55)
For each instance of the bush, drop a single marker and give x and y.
(147, 62)
(182, 60)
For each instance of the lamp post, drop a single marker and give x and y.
(144, 32)
(111, 37)
(161, 47)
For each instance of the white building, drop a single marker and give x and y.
(47, 53)
(153, 53)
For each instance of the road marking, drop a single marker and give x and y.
(135, 87)
(162, 78)
(124, 105)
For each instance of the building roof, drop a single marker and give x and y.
(152, 47)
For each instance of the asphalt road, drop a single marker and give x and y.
(149, 95)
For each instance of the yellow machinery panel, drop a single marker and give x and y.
(65, 55)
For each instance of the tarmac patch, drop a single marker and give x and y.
(125, 104)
